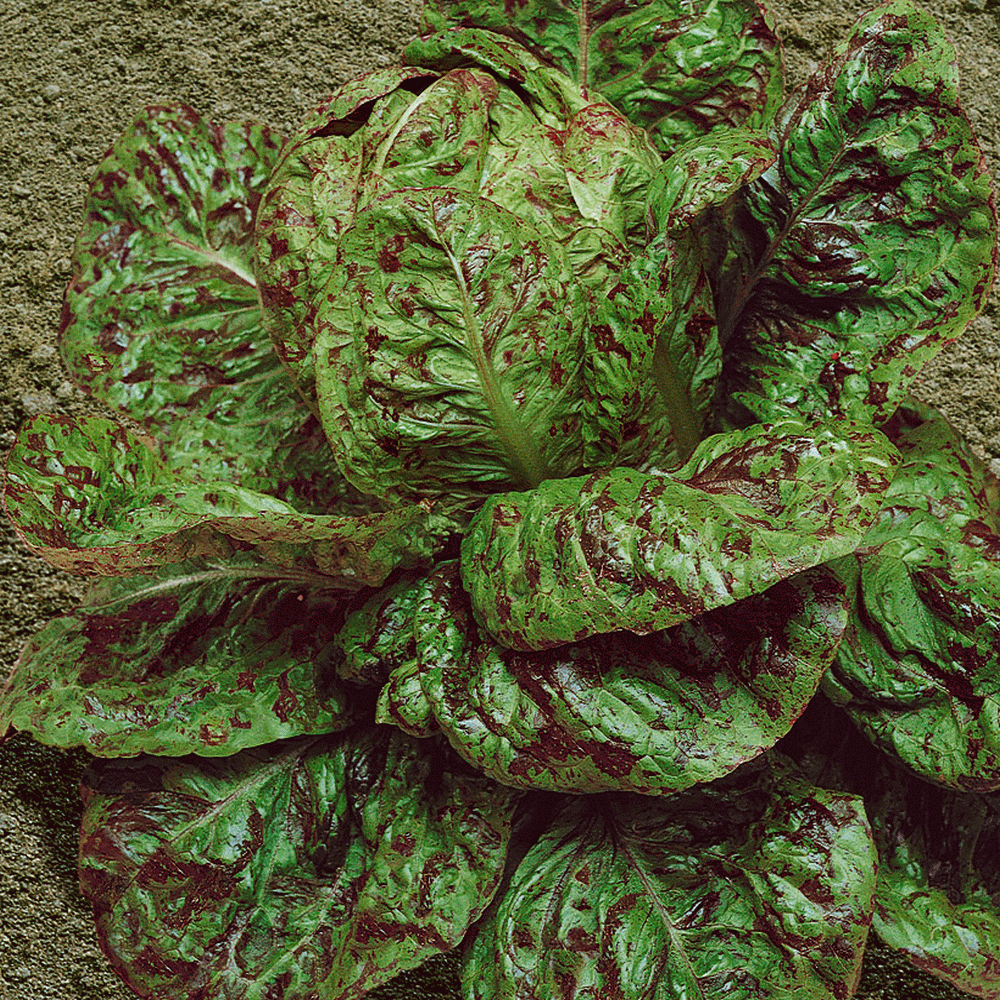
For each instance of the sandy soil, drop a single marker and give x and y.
(72, 76)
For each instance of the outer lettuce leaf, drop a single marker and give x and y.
(938, 887)
(315, 867)
(678, 70)
(756, 885)
(90, 497)
(642, 552)
(919, 670)
(871, 241)
(652, 715)
(197, 658)
(162, 320)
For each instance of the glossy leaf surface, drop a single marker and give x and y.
(651, 714)
(90, 497)
(626, 550)
(162, 320)
(459, 368)
(756, 885)
(678, 70)
(315, 867)
(869, 243)
(919, 670)
(200, 657)
(936, 899)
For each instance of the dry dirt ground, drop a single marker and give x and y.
(72, 77)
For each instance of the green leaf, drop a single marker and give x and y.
(311, 198)
(315, 867)
(162, 320)
(937, 899)
(919, 669)
(652, 714)
(642, 552)
(869, 244)
(90, 497)
(756, 885)
(457, 373)
(678, 70)
(197, 658)
(939, 879)
(676, 269)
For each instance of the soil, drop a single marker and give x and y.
(72, 77)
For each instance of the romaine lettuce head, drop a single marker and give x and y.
(444, 260)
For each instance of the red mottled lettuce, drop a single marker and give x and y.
(653, 714)
(919, 669)
(520, 456)
(314, 865)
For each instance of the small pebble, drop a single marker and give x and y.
(35, 403)
(20, 191)
(51, 92)
(43, 352)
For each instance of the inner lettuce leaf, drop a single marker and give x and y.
(430, 256)
(90, 497)
(648, 714)
(868, 245)
(198, 657)
(759, 884)
(679, 70)
(641, 552)
(919, 668)
(314, 867)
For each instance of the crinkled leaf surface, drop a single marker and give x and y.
(199, 657)
(649, 714)
(755, 885)
(310, 200)
(162, 320)
(937, 899)
(678, 70)
(673, 295)
(939, 878)
(90, 497)
(313, 867)
(919, 669)
(460, 368)
(869, 243)
(642, 552)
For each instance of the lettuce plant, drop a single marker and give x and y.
(526, 542)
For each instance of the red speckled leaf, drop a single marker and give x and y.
(869, 244)
(677, 69)
(651, 714)
(919, 670)
(756, 885)
(641, 552)
(162, 320)
(317, 867)
(90, 497)
(199, 657)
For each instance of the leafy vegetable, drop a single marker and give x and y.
(524, 443)
(919, 669)
(623, 550)
(653, 714)
(308, 866)
(757, 882)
